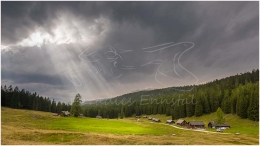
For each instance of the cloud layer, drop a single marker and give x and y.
(101, 49)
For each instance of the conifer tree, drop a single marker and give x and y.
(76, 107)
(220, 116)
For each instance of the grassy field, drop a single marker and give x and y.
(33, 127)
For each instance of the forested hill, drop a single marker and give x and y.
(136, 95)
(238, 94)
(22, 99)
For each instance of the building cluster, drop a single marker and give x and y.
(192, 124)
(199, 124)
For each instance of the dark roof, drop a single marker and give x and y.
(225, 124)
(196, 123)
(180, 121)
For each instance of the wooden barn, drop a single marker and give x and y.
(156, 120)
(99, 117)
(196, 124)
(181, 122)
(64, 113)
(170, 122)
(212, 124)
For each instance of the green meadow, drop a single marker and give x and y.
(101, 126)
(34, 127)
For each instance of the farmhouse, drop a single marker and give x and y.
(212, 124)
(170, 122)
(196, 124)
(99, 117)
(181, 122)
(64, 113)
(156, 120)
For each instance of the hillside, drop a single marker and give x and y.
(238, 94)
(34, 127)
(136, 95)
(226, 82)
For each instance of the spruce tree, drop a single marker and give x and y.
(76, 108)
(220, 116)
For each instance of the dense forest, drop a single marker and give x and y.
(237, 94)
(14, 98)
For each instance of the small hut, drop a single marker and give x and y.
(212, 124)
(196, 124)
(170, 122)
(156, 120)
(181, 122)
(64, 113)
(99, 117)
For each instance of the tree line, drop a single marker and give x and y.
(237, 94)
(21, 99)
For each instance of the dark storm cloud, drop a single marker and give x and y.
(171, 21)
(22, 78)
(29, 65)
(27, 60)
(15, 24)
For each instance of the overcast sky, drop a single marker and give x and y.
(105, 49)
